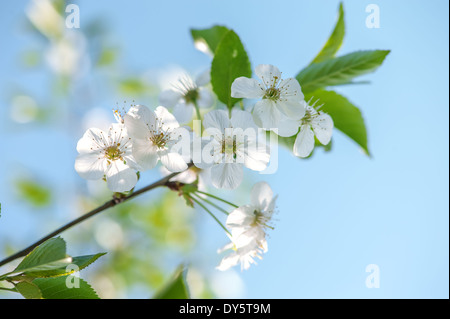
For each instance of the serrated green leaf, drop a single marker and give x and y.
(75, 263)
(207, 40)
(176, 288)
(230, 62)
(48, 268)
(50, 252)
(346, 117)
(57, 288)
(28, 290)
(340, 70)
(334, 42)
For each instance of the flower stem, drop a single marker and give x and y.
(197, 111)
(218, 198)
(211, 203)
(210, 213)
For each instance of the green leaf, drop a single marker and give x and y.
(176, 288)
(186, 191)
(33, 192)
(207, 40)
(340, 70)
(230, 62)
(51, 253)
(57, 288)
(28, 290)
(76, 263)
(346, 117)
(334, 41)
(31, 58)
(107, 57)
(134, 86)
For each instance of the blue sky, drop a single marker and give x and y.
(338, 212)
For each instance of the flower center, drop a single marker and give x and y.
(261, 220)
(272, 93)
(309, 116)
(229, 146)
(159, 139)
(191, 96)
(113, 152)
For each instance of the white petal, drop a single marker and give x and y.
(204, 179)
(169, 98)
(228, 261)
(129, 160)
(290, 89)
(243, 87)
(288, 127)
(261, 195)
(247, 260)
(217, 119)
(271, 207)
(323, 128)
(203, 78)
(227, 175)
(205, 98)
(172, 161)
(248, 238)
(145, 153)
(183, 112)
(267, 114)
(242, 119)
(226, 247)
(242, 216)
(136, 127)
(168, 121)
(90, 165)
(291, 108)
(268, 73)
(142, 113)
(256, 156)
(92, 139)
(304, 143)
(120, 177)
(189, 176)
(203, 151)
(263, 245)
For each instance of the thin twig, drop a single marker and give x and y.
(111, 203)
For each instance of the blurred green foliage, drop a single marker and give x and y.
(33, 192)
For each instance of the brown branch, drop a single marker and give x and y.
(165, 181)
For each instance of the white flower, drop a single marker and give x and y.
(154, 136)
(107, 154)
(185, 95)
(313, 123)
(280, 99)
(248, 225)
(233, 143)
(244, 256)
